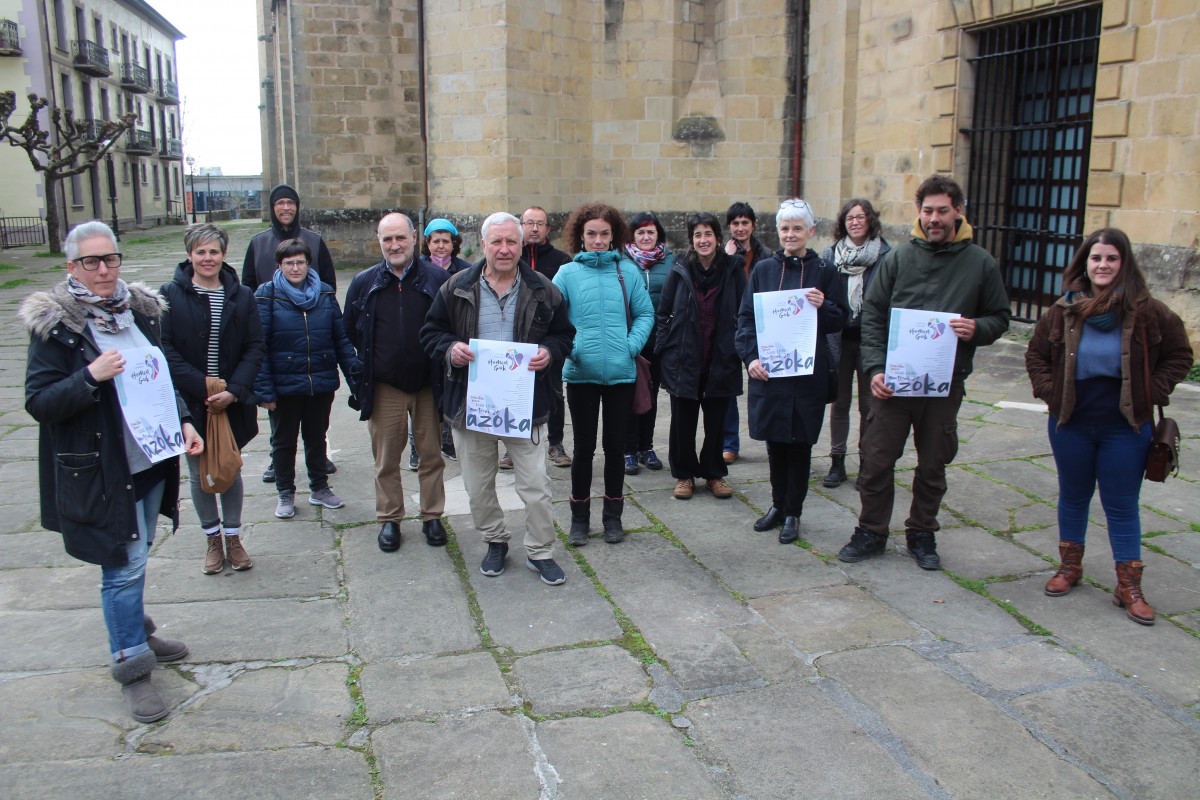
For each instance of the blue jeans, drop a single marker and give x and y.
(121, 587)
(1113, 457)
(733, 424)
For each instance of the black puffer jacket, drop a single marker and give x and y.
(186, 330)
(677, 332)
(87, 491)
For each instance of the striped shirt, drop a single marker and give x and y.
(216, 302)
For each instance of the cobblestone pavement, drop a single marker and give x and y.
(698, 659)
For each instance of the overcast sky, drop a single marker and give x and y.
(218, 82)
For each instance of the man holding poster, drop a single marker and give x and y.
(495, 302)
(956, 287)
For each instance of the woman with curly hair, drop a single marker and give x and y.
(1101, 358)
(612, 314)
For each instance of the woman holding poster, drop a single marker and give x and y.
(788, 391)
(103, 486)
(695, 324)
(1101, 358)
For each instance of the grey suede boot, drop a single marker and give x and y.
(145, 703)
(164, 649)
(581, 513)
(611, 518)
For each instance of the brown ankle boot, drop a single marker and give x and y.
(1070, 571)
(239, 559)
(1128, 594)
(214, 557)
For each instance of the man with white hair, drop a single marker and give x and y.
(502, 300)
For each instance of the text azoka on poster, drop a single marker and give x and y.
(786, 324)
(148, 402)
(921, 350)
(500, 388)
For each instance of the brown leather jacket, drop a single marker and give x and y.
(1050, 359)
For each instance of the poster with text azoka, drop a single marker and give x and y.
(786, 325)
(500, 388)
(921, 349)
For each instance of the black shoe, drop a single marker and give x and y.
(435, 532)
(837, 471)
(790, 531)
(631, 464)
(651, 460)
(448, 450)
(551, 573)
(269, 474)
(330, 467)
(772, 519)
(922, 545)
(493, 562)
(413, 460)
(862, 543)
(389, 537)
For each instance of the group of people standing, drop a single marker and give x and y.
(1100, 358)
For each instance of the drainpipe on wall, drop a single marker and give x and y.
(423, 115)
(801, 95)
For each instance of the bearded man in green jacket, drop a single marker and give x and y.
(939, 269)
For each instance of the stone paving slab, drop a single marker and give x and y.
(813, 749)
(833, 618)
(310, 773)
(1030, 476)
(255, 630)
(37, 588)
(1024, 666)
(629, 755)
(73, 715)
(263, 709)
(973, 748)
(300, 575)
(646, 576)
(524, 614)
(54, 639)
(772, 657)
(978, 554)
(426, 760)
(1141, 753)
(582, 678)
(24, 515)
(984, 501)
(262, 540)
(1160, 657)
(1184, 546)
(395, 597)
(427, 687)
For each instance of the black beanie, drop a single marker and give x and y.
(284, 192)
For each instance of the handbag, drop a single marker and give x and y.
(221, 459)
(1163, 458)
(641, 385)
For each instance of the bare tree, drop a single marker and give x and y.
(70, 148)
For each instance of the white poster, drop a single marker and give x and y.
(786, 324)
(921, 350)
(500, 388)
(148, 402)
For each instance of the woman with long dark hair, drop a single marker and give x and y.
(695, 326)
(1101, 358)
(610, 308)
(857, 249)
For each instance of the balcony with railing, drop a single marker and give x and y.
(89, 131)
(135, 78)
(10, 41)
(172, 148)
(139, 143)
(90, 58)
(167, 92)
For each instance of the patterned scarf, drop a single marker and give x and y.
(853, 260)
(108, 314)
(646, 258)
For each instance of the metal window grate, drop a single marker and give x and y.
(1030, 134)
(21, 231)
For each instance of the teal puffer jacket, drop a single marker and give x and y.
(604, 343)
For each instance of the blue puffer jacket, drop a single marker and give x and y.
(604, 343)
(304, 348)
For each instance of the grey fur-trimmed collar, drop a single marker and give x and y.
(41, 311)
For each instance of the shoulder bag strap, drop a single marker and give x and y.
(625, 297)
(1146, 370)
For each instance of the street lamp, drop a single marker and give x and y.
(112, 193)
(191, 162)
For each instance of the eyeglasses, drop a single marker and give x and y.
(92, 263)
(794, 204)
(294, 262)
(856, 218)
(285, 204)
(534, 224)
